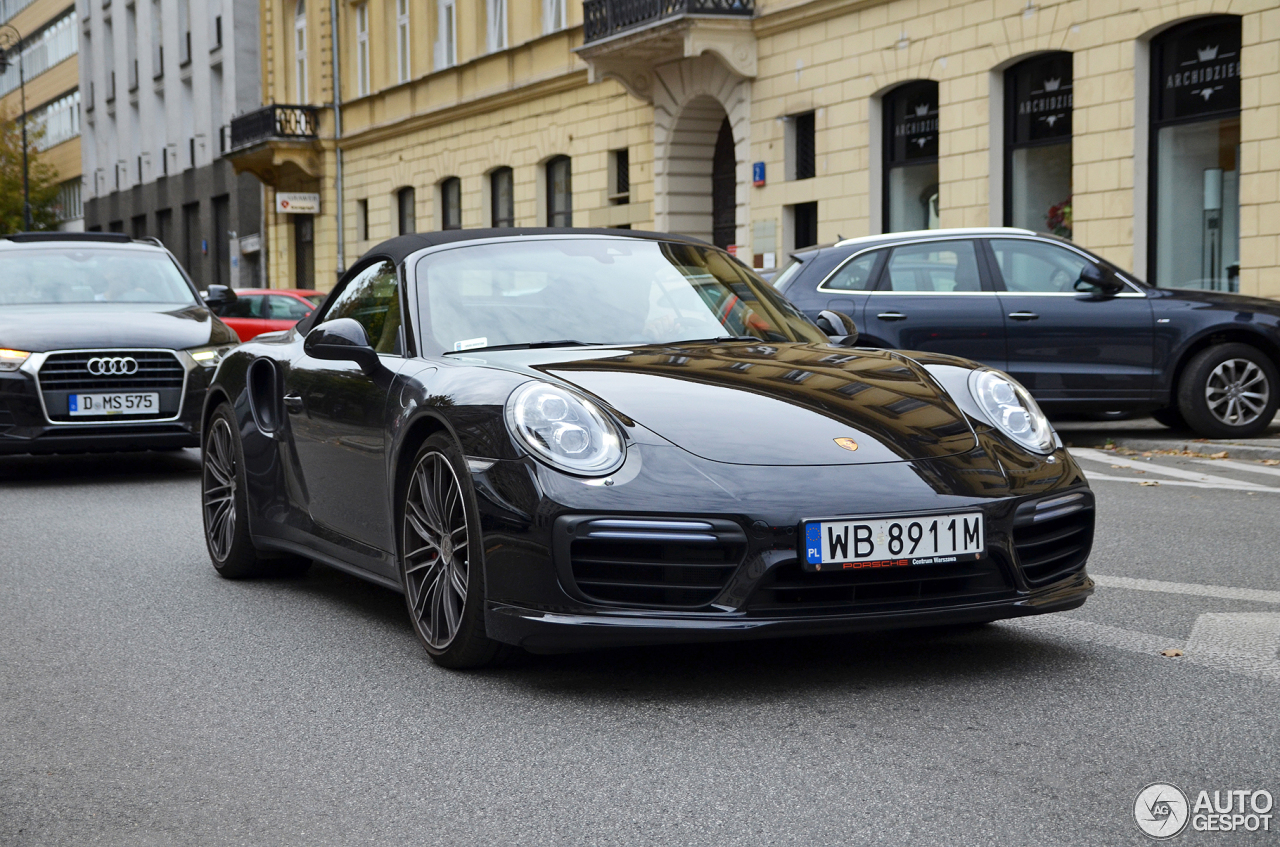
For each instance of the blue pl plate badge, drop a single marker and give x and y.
(813, 543)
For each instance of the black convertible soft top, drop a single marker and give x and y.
(400, 247)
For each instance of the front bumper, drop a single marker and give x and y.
(29, 424)
(547, 595)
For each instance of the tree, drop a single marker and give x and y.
(43, 177)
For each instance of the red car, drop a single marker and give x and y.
(259, 310)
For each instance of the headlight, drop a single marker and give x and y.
(564, 429)
(1011, 410)
(11, 360)
(210, 356)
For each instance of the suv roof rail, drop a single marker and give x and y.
(151, 239)
(110, 237)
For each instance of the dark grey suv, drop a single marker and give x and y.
(1078, 332)
(106, 345)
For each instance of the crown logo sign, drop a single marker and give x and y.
(1208, 54)
(922, 110)
(922, 142)
(1206, 93)
(1051, 120)
(1052, 84)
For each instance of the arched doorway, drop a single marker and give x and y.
(702, 173)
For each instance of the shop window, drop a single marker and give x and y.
(1037, 161)
(1195, 157)
(405, 211)
(911, 157)
(451, 203)
(559, 192)
(502, 206)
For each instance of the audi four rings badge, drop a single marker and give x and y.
(116, 366)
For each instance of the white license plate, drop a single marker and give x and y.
(860, 543)
(117, 403)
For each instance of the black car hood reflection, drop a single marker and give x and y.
(773, 404)
(41, 328)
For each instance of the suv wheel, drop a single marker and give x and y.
(1229, 391)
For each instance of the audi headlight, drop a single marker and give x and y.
(11, 360)
(1011, 410)
(564, 429)
(209, 357)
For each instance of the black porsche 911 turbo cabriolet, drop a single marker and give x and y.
(561, 439)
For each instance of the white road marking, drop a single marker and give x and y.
(1255, 634)
(1152, 467)
(1240, 466)
(1240, 486)
(1224, 592)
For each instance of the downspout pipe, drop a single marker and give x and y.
(337, 131)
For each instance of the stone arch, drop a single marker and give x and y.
(691, 100)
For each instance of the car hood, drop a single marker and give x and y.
(773, 404)
(1219, 299)
(39, 329)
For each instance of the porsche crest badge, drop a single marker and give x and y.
(847, 443)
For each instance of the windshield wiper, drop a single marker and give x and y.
(528, 345)
(720, 339)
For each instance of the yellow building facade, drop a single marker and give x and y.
(773, 124)
(50, 48)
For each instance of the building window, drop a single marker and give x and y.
(1195, 156)
(300, 51)
(804, 224)
(362, 49)
(502, 206)
(184, 31)
(451, 203)
(41, 51)
(362, 220)
(58, 122)
(559, 192)
(70, 206)
(447, 38)
(619, 177)
(405, 211)
(496, 25)
(799, 146)
(911, 157)
(157, 40)
(1037, 160)
(402, 40)
(553, 19)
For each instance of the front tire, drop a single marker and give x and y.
(1229, 391)
(441, 558)
(224, 506)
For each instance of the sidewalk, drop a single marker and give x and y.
(1146, 434)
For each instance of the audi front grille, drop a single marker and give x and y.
(66, 373)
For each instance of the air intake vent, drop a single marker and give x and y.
(789, 588)
(1053, 536)
(648, 562)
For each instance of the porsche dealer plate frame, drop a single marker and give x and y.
(873, 542)
(99, 404)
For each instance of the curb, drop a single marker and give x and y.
(1235, 450)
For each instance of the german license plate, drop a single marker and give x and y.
(119, 403)
(864, 543)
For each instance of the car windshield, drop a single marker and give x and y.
(88, 275)
(597, 291)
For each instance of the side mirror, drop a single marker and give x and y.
(1094, 280)
(839, 327)
(342, 339)
(218, 296)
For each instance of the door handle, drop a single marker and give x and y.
(1024, 316)
(293, 403)
(891, 316)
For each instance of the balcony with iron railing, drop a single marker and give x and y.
(276, 140)
(606, 18)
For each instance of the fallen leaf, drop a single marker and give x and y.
(1117, 466)
(1148, 482)
(1171, 653)
(1272, 462)
(1222, 455)
(1146, 454)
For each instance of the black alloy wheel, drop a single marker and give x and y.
(441, 558)
(1229, 391)
(226, 531)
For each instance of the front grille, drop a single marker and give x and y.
(1053, 536)
(788, 587)
(70, 371)
(650, 562)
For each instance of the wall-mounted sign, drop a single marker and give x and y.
(251, 243)
(294, 203)
(757, 174)
(1041, 98)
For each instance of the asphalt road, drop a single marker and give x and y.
(145, 701)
